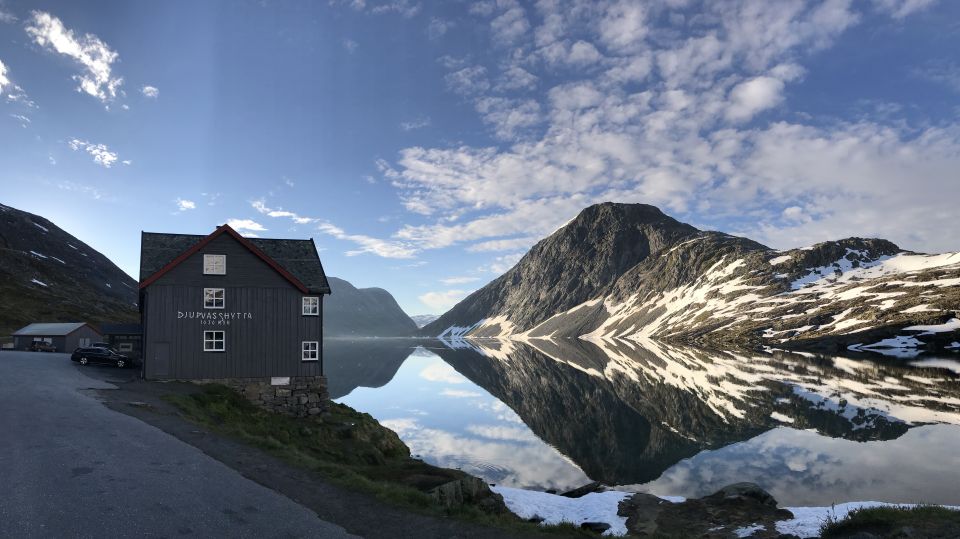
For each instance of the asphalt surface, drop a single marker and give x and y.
(71, 467)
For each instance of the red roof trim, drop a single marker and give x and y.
(224, 229)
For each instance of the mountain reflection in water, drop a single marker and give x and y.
(670, 420)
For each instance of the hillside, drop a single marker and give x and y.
(363, 312)
(47, 275)
(644, 277)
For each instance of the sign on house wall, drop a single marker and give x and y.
(214, 318)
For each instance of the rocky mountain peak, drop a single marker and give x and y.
(580, 261)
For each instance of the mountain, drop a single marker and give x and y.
(627, 271)
(47, 275)
(363, 312)
(424, 319)
(577, 263)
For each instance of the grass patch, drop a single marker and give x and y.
(348, 448)
(923, 520)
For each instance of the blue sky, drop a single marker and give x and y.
(426, 145)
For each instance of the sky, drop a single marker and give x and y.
(425, 146)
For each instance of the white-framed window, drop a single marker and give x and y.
(214, 264)
(310, 351)
(311, 306)
(213, 341)
(213, 298)
(125, 347)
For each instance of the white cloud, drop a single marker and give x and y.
(624, 25)
(511, 25)
(4, 80)
(752, 96)
(444, 300)
(416, 123)
(93, 55)
(516, 78)
(461, 393)
(502, 245)
(509, 117)
(459, 280)
(350, 45)
(151, 92)
(7, 17)
(102, 155)
(246, 227)
(184, 205)
(85, 190)
(469, 80)
(899, 9)
(442, 372)
(438, 27)
(367, 244)
(23, 120)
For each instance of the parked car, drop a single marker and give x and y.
(107, 356)
(42, 346)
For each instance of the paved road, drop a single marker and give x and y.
(71, 467)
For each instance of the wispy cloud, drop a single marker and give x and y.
(83, 189)
(93, 55)
(151, 92)
(367, 244)
(438, 27)
(442, 301)
(6, 17)
(4, 79)
(184, 205)
(246, 227)
(24, 121)
(350, 45)
(102, 155)
(459, 280)
(416, 123)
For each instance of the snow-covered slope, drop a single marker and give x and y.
(713, 288)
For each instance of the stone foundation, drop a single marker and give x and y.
(297, 396)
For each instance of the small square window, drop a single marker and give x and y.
(213, 298)
(310, 351)
(214, 341)
(125, 347)
(214, 264)
(311, 306)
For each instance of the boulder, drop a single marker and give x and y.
(468, 490)
(720, 514)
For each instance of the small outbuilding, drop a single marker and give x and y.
(124, 338)
(64, 336)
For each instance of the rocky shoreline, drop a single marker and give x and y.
(737, 510)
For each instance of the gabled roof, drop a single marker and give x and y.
(50, 329)
(295, 260)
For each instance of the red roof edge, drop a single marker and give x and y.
(224, 229)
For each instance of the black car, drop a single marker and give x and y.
(93, 354)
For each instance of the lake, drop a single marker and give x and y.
(669, 420)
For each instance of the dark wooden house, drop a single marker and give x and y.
(227, 307)
(64, 336)
(124, 338)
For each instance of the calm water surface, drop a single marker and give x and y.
(544, 415)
